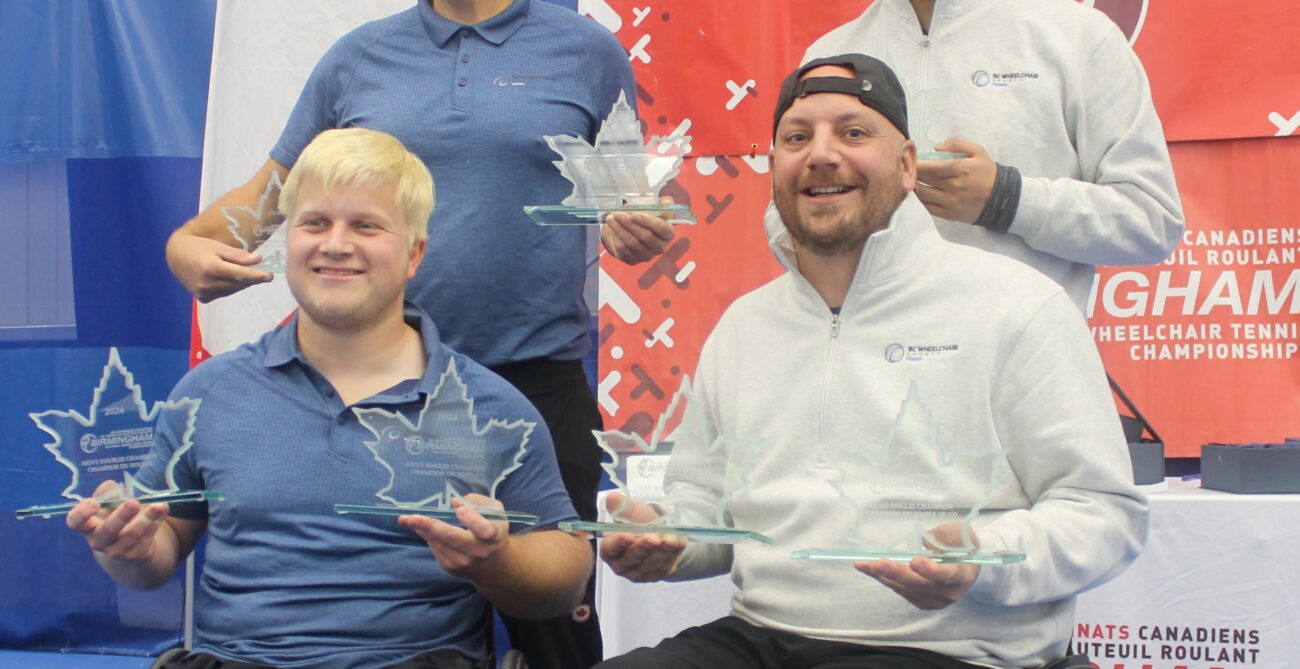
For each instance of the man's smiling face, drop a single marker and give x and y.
(839, 169)
(349, 255)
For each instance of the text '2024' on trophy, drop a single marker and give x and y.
(684, 473)
(919, 493)
(113, 440)
(446, 454)
(618, 174)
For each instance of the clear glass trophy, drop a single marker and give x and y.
(618, 174)
(927, 123)
(447, 454)
(112, 441)
(901, 490)
(261, 229)
(700, 477)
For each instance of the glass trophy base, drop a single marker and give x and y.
(704, 535)
(678, 214)
(939, 155)
(997, 558)
(268, 267)
(51, 510)
(448, 515)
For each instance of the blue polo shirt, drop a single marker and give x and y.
(287, 581)
(474, 102)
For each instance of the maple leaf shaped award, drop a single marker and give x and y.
(619, 173)
(445, 455)
(930, 119)
(261, 229)
(700, 477)
(113, 440)
(900, 492)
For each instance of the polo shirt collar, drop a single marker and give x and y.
(496, 30)
(282, 346)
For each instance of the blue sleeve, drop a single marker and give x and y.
(175, 432)
(613, 75)
(317, 108)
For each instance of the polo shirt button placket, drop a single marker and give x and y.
(459, 99)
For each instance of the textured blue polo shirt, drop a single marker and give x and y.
(288, 582)
(474, 102)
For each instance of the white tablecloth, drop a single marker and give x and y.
(1218, 586)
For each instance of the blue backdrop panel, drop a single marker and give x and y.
(17, 659)
(104, 101)
(103, 78)
(55, 596)
(121, 212)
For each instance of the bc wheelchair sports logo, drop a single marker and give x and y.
(1129, 15)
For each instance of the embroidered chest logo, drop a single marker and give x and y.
(895, 353)
(983, 78)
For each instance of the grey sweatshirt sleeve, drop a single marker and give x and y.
(1124, 209)
(1058, 423)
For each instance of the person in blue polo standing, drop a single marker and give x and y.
(471, 86)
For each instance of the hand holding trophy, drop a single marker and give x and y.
(702, 474)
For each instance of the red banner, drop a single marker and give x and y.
(1204, 344)
(1207, 343)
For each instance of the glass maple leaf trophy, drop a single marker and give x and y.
(114, 440)
(262, 229)
(447, 453)
(900, 490)
(928, 114)
(618, 174)
(701, 478)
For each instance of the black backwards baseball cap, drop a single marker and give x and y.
(873, 83)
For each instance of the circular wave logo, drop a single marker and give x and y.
(894, 352)
(88, 443)
(980, 78)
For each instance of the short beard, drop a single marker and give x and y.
(853, 228)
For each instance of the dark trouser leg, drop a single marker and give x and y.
(560, 393)
(732, 642)
(727, 642)
(835, 655)
(205, 661)
(438, 659)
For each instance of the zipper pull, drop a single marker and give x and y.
(835, 325)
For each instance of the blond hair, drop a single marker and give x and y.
(360, 157)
